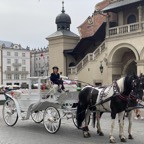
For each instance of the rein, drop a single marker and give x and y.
(121, 96)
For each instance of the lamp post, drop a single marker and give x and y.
(101, 67)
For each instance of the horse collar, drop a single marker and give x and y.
(116, 87)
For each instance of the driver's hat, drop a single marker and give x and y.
(55, 67)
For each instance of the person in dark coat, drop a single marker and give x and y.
(55, 78)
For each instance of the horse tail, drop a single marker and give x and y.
(93, 119)
(80, 114)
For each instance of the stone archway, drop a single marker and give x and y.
(123, 45)
(130, 67)
(123, 61)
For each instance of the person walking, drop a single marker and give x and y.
(138, 114)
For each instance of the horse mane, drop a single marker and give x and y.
(124, 84)
(120, 84)
(128, 84)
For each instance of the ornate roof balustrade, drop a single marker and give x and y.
(126, 29)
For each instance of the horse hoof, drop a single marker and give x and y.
(98, 131)
(123, 140)
(101, 134)
(130, 137)
(112, 141)
(86, 135)
(89, 135)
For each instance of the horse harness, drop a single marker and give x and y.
(116, 92)
(122, 96)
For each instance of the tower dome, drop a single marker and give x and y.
(63, 20)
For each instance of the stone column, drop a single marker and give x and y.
(109, 74)
(140, 67)
(107, 25)
(140, 17)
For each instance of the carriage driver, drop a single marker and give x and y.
(55, 78)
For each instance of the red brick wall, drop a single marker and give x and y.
(87, 29)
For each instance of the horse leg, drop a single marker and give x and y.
(85, 128)
(121, 126)
(130, 125)
(99, 131)
(112, 139)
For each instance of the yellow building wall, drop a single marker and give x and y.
(57, 46)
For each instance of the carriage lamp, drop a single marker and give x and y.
(101, 67)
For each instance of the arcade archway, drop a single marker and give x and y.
(123, 63)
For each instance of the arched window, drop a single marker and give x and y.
(131, 19)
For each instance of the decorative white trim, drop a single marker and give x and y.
(123, 45)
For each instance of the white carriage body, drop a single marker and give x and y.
(28, 100)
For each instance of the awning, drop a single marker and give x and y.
(85, 43)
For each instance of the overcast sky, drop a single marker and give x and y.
(29, 22)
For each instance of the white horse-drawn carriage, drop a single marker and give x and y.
(43, 103)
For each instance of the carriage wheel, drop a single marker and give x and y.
(37, 116)
(75, 121)
(10, 114)
(52, 120)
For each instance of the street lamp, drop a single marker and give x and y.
(101, 67)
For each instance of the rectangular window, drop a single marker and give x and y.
(8, 61)
(16, 61)
(8, 83)
(8, 53)
(23, 68)
(23, 77)
(16, 53)
(23, 62)
(9, 76)
(8, 68)
(16, 77)
(23, 54)
(16, 69)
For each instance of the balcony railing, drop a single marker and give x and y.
(16, 64)
(17, 72)
(89, 57)
(126, 29)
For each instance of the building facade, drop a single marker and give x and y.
(121, 50)
(15, 64)
(39, 62)
(111, 44)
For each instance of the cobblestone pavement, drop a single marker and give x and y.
(27, 132)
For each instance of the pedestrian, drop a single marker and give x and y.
(138, 114)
